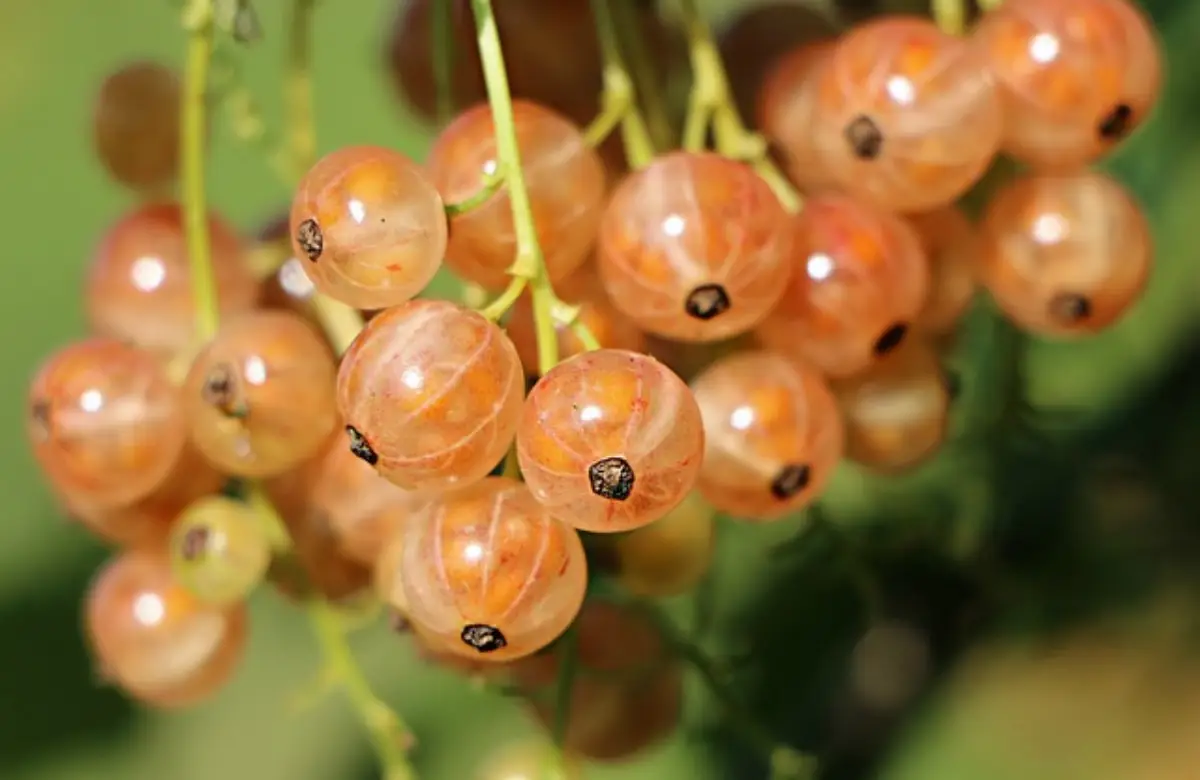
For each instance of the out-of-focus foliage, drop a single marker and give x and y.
(1092, 509)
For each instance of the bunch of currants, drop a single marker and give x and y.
(726, 338)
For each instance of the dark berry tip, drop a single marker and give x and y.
(790, 481)
(484, 638)
(39, 418)
(311, 239)
(360, 447)
(890, 338)
(865, 138)
(611, 478)
(1117, 123)
(194, 543)
(707, 301)
(220, 388)
(1070, 308)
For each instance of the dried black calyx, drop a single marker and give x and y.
(707, 301)
(1117, 123)
(311, 239)
(220, 389)
(611, 478)
(484, 638)
(194, 544)
(360, 447)
(39, 418)
(865, 138)
(398, 621)
(890, 339)
(790, 480)
(952, 381)
(1070, 308)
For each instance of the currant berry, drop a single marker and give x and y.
(596, 312)
(315, 565)
(861, 279)
(906, 115)
(1065, 255)
(774, 435)
(219, 551)
(153, 639)
(260, 396)
(786, 113)
(490, 573)
(105, 422)
(896, 413)
(410, 56)
(139, 286)
(627, 694)
(610, 440)
(670, 556)
(289, 287)
(695, 247)
(1076, 76)
(371, 225)
(951, 246)
(567, 184)
(136, 125)
(430, 393)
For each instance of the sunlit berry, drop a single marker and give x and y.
(488, 571)
(951, 246)
(773, 435)
(260, 396)
(786, 110)
(105, 422)
(610, 440)
(860, 281)
(906, 114)
(1076, 76)
(695, 247)
(430, 393)
(136, 125)
(896, 413)
(153, 639)
(564, 177)
(371, 225)
(219, 550)
(1065, 255)
(139, 284)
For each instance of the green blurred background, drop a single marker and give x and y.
(1126, 398)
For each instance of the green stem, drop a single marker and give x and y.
(302, 140)
(644, 74)
(620, 99)
(443, 60)
(192, 173)
(497, 308)
(950, 16)
(491, 185)
(529, 263)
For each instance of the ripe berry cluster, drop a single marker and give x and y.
(819, 322)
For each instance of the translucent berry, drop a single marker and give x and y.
(371, 225)
(136, 125)
(139, 285)
(105, 422)
(694, 247)
(289, 286)
(896, 413)
(1076, 76)
(627, 691)
(430, 393)
(316, 565)
(774, 435)
(1065, 255)
(671, 555)
(861, 279)
(596, 312)
(906, 114)
(951, 246)
(787, 105)
(610, 440)
(260, 396)
(566, 181)
(152, 638)
(219, 550)
(488, 571)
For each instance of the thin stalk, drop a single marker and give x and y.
(193, 183)
(619, 92)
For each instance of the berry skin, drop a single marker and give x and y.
(371, 225)
(219, 551)
(671, 555)
(1076, 76)
(1065, 255)
(860, 280)
(260, 396)
(774, 435)
(489, 573)
(906, 115)
(896, 413)
(610, 441)
(951, 246)
(694, 247)
(136, 125)
(786, 111)
(566, 181)
(152, 638)
(289, 287)
(430, 393)
(315, 565)
(105, 422)
(139, 285)
(596, 311)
